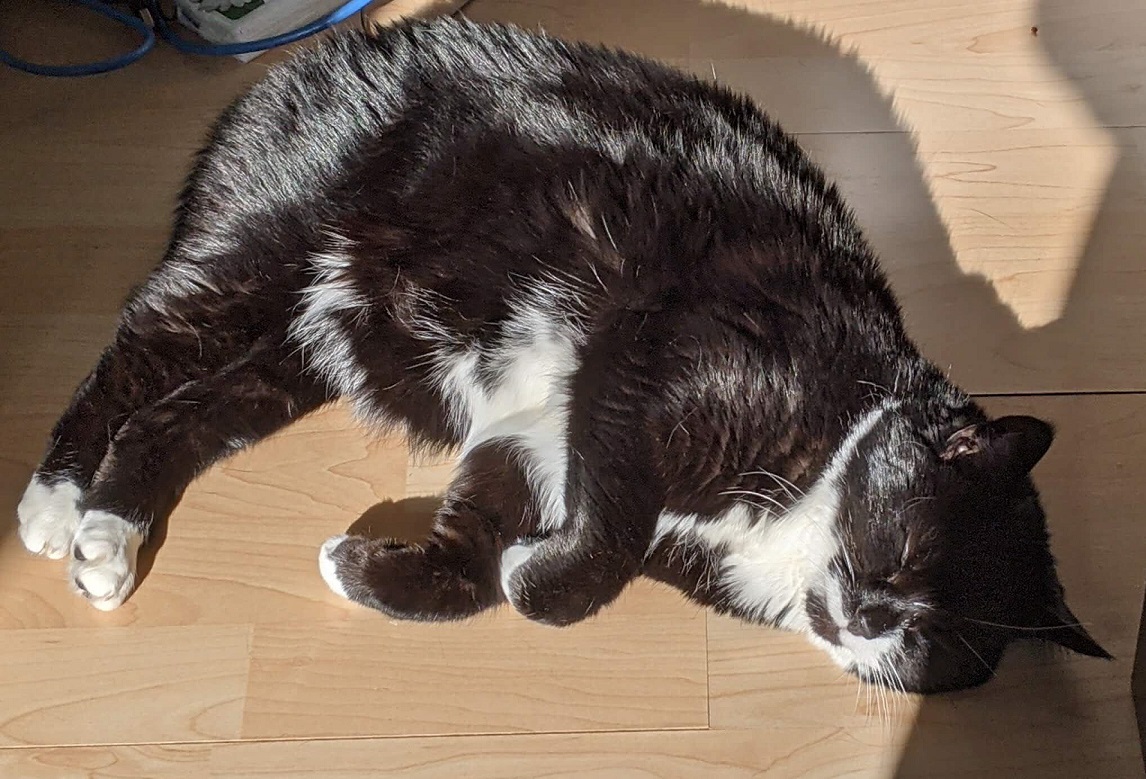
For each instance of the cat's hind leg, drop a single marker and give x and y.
(163, 447)
(455, 573)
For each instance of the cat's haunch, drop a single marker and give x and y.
(653, 332)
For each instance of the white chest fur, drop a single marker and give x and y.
(526, 404)
(770, 559)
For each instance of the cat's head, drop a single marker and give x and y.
(943, 558)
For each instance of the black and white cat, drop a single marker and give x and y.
(652, 330)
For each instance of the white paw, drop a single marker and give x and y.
(104, 554)
(511, 559)
(49, 517)
(328, 568)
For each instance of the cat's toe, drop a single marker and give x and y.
(559, 589)
(511, 561)
(48, 517)
(328, 566)
(104, 555)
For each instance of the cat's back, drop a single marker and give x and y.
(315, 118)
(530, 143)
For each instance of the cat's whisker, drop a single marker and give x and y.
(1024, 628)
(873, 697)
(967, 644)
(758, 495)
(847, 555)
(897, 678)
(784, 483)
(916, 501)
(596, 275)
(845, 552)
(886, 697)
(680, 426)
(873, 384)
(787, 493)
(753, 504)
(867, 701)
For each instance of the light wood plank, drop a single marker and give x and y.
(808, 753)
(792, 753)
(184, 761)
(100, 686)
(1019, 287)
(964, 65)
(640, 666)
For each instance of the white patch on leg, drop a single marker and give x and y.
(538, 438)
(511, 559)
(49, 517)
(103, 568)
(328, 568)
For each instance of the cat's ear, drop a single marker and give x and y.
(1064, 629)
(1014, 443)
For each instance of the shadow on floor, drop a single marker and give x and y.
(1035, 717)
(1035, 713)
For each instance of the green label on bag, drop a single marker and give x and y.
(234, 13)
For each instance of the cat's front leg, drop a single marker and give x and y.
(453, 574)
(49, 514)
(163, 447)
(103, 546)
(138, 369)
(613, 491)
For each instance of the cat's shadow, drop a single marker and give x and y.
(408, 520)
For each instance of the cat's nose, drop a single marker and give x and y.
(873, 620)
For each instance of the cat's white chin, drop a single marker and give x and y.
(867, 657)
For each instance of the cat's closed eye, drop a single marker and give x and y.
(912, 621)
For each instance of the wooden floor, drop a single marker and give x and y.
(994, 150)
